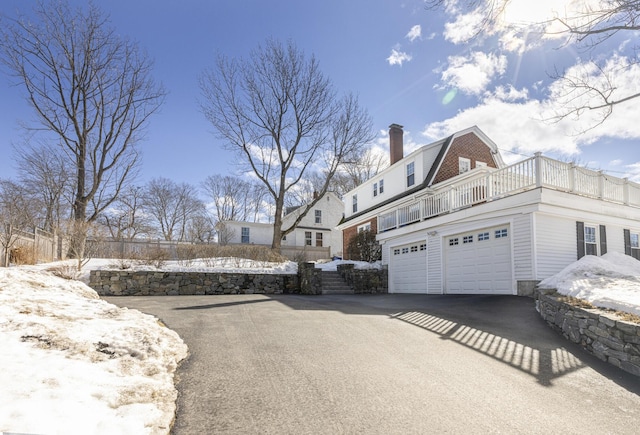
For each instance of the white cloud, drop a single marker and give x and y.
(510, 93)
(463, 28)
(519, 24)
(633, 172)
(474, 73)
(414, 33)
(520, 124)
(398, 57)
(616, 162)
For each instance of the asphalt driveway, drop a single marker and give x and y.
(385, 364)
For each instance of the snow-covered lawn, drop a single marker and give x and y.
(610, 281)
(71, 363)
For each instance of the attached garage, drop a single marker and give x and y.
(479, 262)
(408, 268)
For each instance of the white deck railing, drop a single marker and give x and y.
(528, 174)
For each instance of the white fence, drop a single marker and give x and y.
(528, 174)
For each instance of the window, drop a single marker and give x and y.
(411, 178)
(244, 235)
(414, 248)
(467, 239)
(381, 184)
(375, 189)
(590, 240)
(319, 240)
(318, 216)
(307, 238)
(423, 247)
(501, 233)
(405, 250)
(396, 252)
(464, 165)
(632, 244)
(354, 200)
(364, 227)
(483, 236)
(453, 242)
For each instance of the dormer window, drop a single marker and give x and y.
(381, 184)
(464, 165)
(375, 189)
(411, 177)
(354, 203)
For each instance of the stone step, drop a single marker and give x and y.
(333, 284)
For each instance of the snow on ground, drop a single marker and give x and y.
(333, 265)
(212, 265)
(610, 281)
(72, 363)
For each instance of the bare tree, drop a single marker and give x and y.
(234, 199)
(201, 228)
(171, 205)
(15, 216)
(44, 173)
(593, 85)
(282, 116)
(126, 219)
(90, 89)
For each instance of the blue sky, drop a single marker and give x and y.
(407, 64)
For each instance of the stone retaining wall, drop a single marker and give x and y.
(605, 336)
(310, 279)
(365, 281)
(158, 283)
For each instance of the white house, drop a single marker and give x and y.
(316, 235)
(453, 218)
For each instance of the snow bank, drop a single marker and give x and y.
(75, 364)
(209, 265)
(333, 265)
(611, 281)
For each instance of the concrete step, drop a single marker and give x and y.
(333, 284)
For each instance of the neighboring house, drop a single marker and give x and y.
(316, 234)
(453, 218)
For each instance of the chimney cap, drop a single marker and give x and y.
(396, 126)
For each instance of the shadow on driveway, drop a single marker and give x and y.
(505, 328)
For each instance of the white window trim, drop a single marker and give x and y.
(596, 234)
(467, 163)
(407, 174)
(364, 227)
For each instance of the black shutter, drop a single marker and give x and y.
(580, 237)
(627, 242)
(603, 239)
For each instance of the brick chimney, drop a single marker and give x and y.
(396, 151)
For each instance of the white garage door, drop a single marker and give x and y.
(408, 268)
(479, 262)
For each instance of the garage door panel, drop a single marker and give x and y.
(408, 268)
(479, 261)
